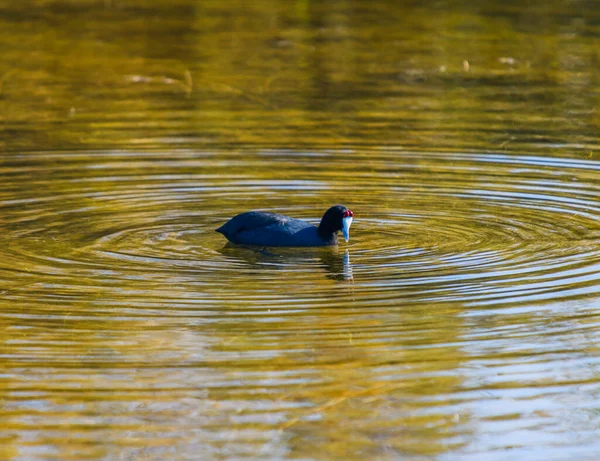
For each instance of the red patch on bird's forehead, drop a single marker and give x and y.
(348, 213)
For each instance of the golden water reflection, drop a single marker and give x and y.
(458, 323)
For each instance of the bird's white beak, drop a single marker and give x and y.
(346, 227)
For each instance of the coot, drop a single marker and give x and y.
(270, 229)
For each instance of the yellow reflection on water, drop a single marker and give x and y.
(460, 319)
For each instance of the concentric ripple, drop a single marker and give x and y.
(471, 228)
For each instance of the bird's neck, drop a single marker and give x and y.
(326, 233)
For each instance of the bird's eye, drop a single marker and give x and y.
(348, 213)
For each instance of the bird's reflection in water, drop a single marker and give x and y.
(331, 258)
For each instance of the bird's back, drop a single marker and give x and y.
(270, 229)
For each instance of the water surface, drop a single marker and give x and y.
(459, 323)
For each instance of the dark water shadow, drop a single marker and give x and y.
(336, 262)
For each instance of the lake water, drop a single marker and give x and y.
(461, 321)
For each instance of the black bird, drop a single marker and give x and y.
(271, 229)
